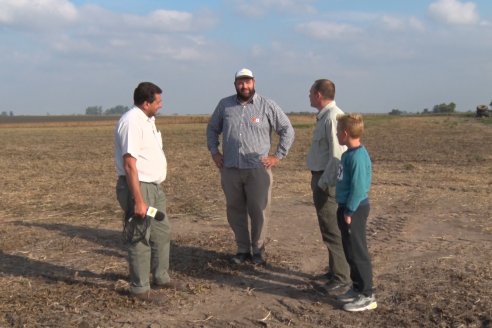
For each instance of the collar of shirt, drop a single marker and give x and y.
(325, 110)
(142, 115)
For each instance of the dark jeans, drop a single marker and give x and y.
(326, 210)
(355, 247)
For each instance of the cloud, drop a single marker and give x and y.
(393, 23)
(259, 8)
(327, 31)
(157, 21)
(38, 14)
(454, 12)
(91, 31)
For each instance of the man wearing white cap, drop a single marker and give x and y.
(246, 121)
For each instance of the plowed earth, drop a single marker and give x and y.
(62, 262)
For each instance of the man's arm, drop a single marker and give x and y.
(329, 177)
(282, 126)
(214, 129)
(130, 165)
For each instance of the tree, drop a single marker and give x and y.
(117, 110)
(395, 112)
(444, 108)
(93, 110)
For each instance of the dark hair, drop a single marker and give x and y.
(325, 87)
(145, 92)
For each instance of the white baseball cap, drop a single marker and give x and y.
(244, 73)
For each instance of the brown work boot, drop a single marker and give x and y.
(171, 285)
(150, 296)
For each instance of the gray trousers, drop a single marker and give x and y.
(326, 210)
(248, 193)
(152, 254)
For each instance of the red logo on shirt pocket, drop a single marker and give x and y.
(255, 120)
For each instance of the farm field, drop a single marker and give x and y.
(63, 264)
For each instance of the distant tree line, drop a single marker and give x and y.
(444, 108)
(4, 113)
(97, 110)
(437, 109)
(396, 111)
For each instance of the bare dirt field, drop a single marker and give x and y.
(63, 264)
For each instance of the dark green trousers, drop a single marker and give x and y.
(151, 255)
(326, 210)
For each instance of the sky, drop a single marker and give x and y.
(58, 57)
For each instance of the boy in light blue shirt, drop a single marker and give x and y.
(353, 184)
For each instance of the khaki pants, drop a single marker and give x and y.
(248, 193)
(152, 254)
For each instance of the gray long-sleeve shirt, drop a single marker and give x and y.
(247, 131)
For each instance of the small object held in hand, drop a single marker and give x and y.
(135, 229)
(155, 213)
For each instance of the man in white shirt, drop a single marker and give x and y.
(141, 167)
(323, 159)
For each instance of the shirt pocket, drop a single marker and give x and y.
(319, 135)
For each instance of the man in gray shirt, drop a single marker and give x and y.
(323, 159)
(246, 121)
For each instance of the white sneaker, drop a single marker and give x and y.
(361, 303)
(348, 297)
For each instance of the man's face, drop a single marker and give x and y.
(313, 98)
(154, 106)
(245, 88)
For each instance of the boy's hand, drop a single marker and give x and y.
(348, 219)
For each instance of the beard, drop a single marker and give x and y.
(245, 94)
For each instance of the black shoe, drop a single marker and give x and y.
(336, 286)
(324, 277)
(151, 296)
(259, 258)
(240, 258)
(171, 285)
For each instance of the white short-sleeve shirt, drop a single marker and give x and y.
(137, 135)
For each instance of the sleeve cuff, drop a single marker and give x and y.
(348, 212)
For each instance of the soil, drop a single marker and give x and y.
(62, 262)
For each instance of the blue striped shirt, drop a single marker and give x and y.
(247, 131)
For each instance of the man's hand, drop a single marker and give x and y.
(218, 160)
(270, 161)
(140, 210)
(348, 218)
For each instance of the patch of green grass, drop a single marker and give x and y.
(303, 126)
(486, 120)
(478, 158)
(409, 166)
